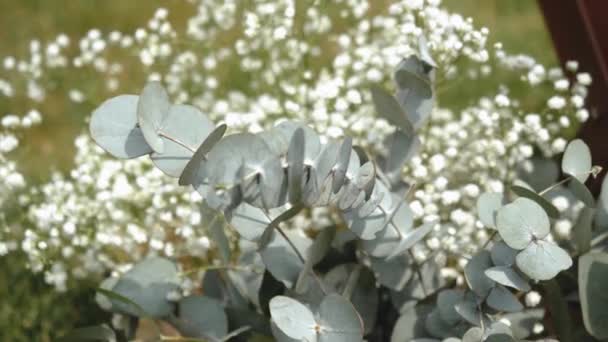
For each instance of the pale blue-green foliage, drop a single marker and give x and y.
(334, 283)
(577, 160)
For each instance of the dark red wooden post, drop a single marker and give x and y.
(579, 30)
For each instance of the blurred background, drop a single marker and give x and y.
(32, 311)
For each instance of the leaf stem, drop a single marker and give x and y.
(555, 186)
(177, 141)
(489, 239)
(219, 267)
(418, 272)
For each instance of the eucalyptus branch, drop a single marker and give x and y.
(220, 267)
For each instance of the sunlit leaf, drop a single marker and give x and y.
(577, 160)
(543, 260)
(522, 221)
(293, 318)
(184, 130)
(114, 127)
(487, 207)
(152, 111)
(549, 208)
(339, 320)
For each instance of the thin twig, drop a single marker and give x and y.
(219, 267)
(554, 186)
(418, 272)
(489, 239)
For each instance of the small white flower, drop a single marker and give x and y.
(556, 102)
(532, 299)
(583, 78)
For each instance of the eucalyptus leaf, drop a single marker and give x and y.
(216, 226)
(388, 108)
(543, 260)
(592, 277)
(342, 164)
(295, 162)
(581, 192)
(498, 332)
(487, 207)
(280, 258)
(577, 160)
(415, 94)
(474, 334)
(424, 53)
(339, 320)
(522, 323)
(470, 310)
(582, 230)
(368, 226)
(249, 221)
(114, 127)
(147, 284)
(394, 273)
(502, 254)
(364, 295)
(200, 316)
(408, 241)
(539, 172)
(474, 273)
(502, 299)
(399, 149)
(101, 300)
(183, 131)
(152, 111)
(410, 324)
(397, 226)
(293, 318)
(522, 221)
(547, 206)
(446, 302)
(436, 326)
(321, 245)
(194, 166)
(507, 276)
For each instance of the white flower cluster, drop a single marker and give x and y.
(13, 182)
(106, 214)
(249, 64)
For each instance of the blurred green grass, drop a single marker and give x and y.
(30, 310)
